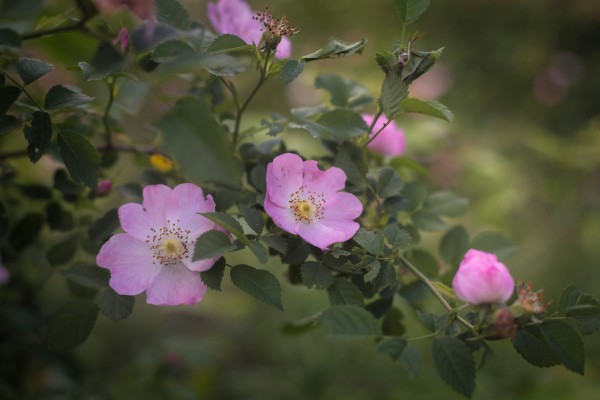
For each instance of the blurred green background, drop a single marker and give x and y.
(522, 79)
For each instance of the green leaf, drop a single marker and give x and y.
(297, 327)
(8, 123)
(88, 275)
(259, 250)
(565, 343)
(62, 252)
(335, 48)
(204, 154)
(343, 291)
(454, 363)
(530, 344)
(38, 135)
(171, 49)
(419, 63)
(428, 221)
(403, 352)
(393, 91)
(71, 324)
(102, 228)
(349, 320)
(410, 10)
(494, 242)
(115, 306)
(335, 85)
(454, 245)
(568, 298)
(317, 275)
(213, 277)
(59, 219)
(8, 95)
(30, 69)
(9, 37)
(25, 231)
(60, 96)
(426, 263)
(389, 183)
(258, 283)
(228, 222)
(253, 217)
(80, 157)
(351, 160)
(225, 42)
(587, 317)
(212, 244)
(446, 203)
(373, 269)
(343, 124)
(397, 238)
(291, 70)
(276, 243)
(427, 107)
(432, 322)
(371, 241)
(171, 12)
(106, 61)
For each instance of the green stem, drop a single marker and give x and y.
(375, 119)
(378, 132)
(403, 30)
(106, 116)
(22, 88)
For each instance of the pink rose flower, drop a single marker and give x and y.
(390, 141)
(236, 18)
(155, 252)
(303, 200)
(482, 279)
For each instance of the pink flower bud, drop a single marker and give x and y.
(390, 141)
(504, 322)
(104, 186)
(122, 38)
(482, 279)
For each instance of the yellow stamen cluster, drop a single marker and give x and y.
(170, 244)
(307, 205)
(162, 163)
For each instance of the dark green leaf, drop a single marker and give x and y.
(276, 243)
(568, 298)
(88, 275)
(297, 251)
(393, 91)
(8, 123)
(297, 327)
(410, 10)
(225, 42)
(131, 190)
(62, 252)
(587, 317)
(291, 70)
(446, 203)
(494, 242)
(343, 291)
(59, 219)
(115, 306)
(454, 245)
(454, 363)
(530, 344)
(335, 85)
(9, 37)
(403, 352)
(258, 283)
(419, 63)
(71, 324)
(349, 320)
(259, 250)
(389, 183)
(38, 135)
(253, 217)
(427, 107)
(102, 228)
(228, 222)
(397, 237)
(204, 154)
(35, 192)
(80, 157)
(8, 95)
(212, 244)
(351, 160)
(432, 322)
(373, 269)
(343, 124)
(171, 49)
(107, 60)
(30, 69)
(60, 96)
(565, 343)
(25, 231)
(335, 48)
(317, 275)
(171, 12)
(415, 193)
(428, 221)
(426, 263)
(213, 277)
(371, 241)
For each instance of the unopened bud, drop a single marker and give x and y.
(504, 322)
(104, 186)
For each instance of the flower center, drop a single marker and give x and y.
(306, 205)
(170, 244)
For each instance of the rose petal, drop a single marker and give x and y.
(322, 236)
(283, 217)
(134, 220)
(326, 182)
(130, 262)
(284, 177)
(284, 49)
(186, 202)
(175, 285)
(155, 202)
(342, 207)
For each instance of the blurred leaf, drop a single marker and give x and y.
(427, 107)
(258, 283)
(102, 228)
(335, 48)
(398, 238)
(494, 242)
(63, 183)
(131, 190)
(60, 96)
(410, 10)
(212, 244)
(415, 193)
(454, 245)
(25, 231)
(30, 69)
(371, 241)
(291, 70)
(432, 322)
(530, 344)
(425, 262)
(253, 217)
(71, 324)
(213, 277)
(63, 251)
(343, 124)
(35, 192)
(568, 297)
(171, 12)
(80, 157)
(343, 291)
(204, 154)
(585, 312)
(10, 38)
(428, 221)
(446, 203)
(335, 85)
(351, 159)
(59, 219)
(454, 363)
(38, 135)
(565, 343)
(171, 49)
(115, 306)
(349, 320)
(8, 123)
(276, 243)
(393, 91)
(403, 352)
(317, 275)
(88, 275)
(226, 42)
(8, 95)
(389, 183)
(297, 327)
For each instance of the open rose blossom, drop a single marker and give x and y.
(390, 141)
(236, 18)
(155, 252)
(303, 200)
(482, 279)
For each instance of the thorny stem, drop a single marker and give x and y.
(435, 292)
